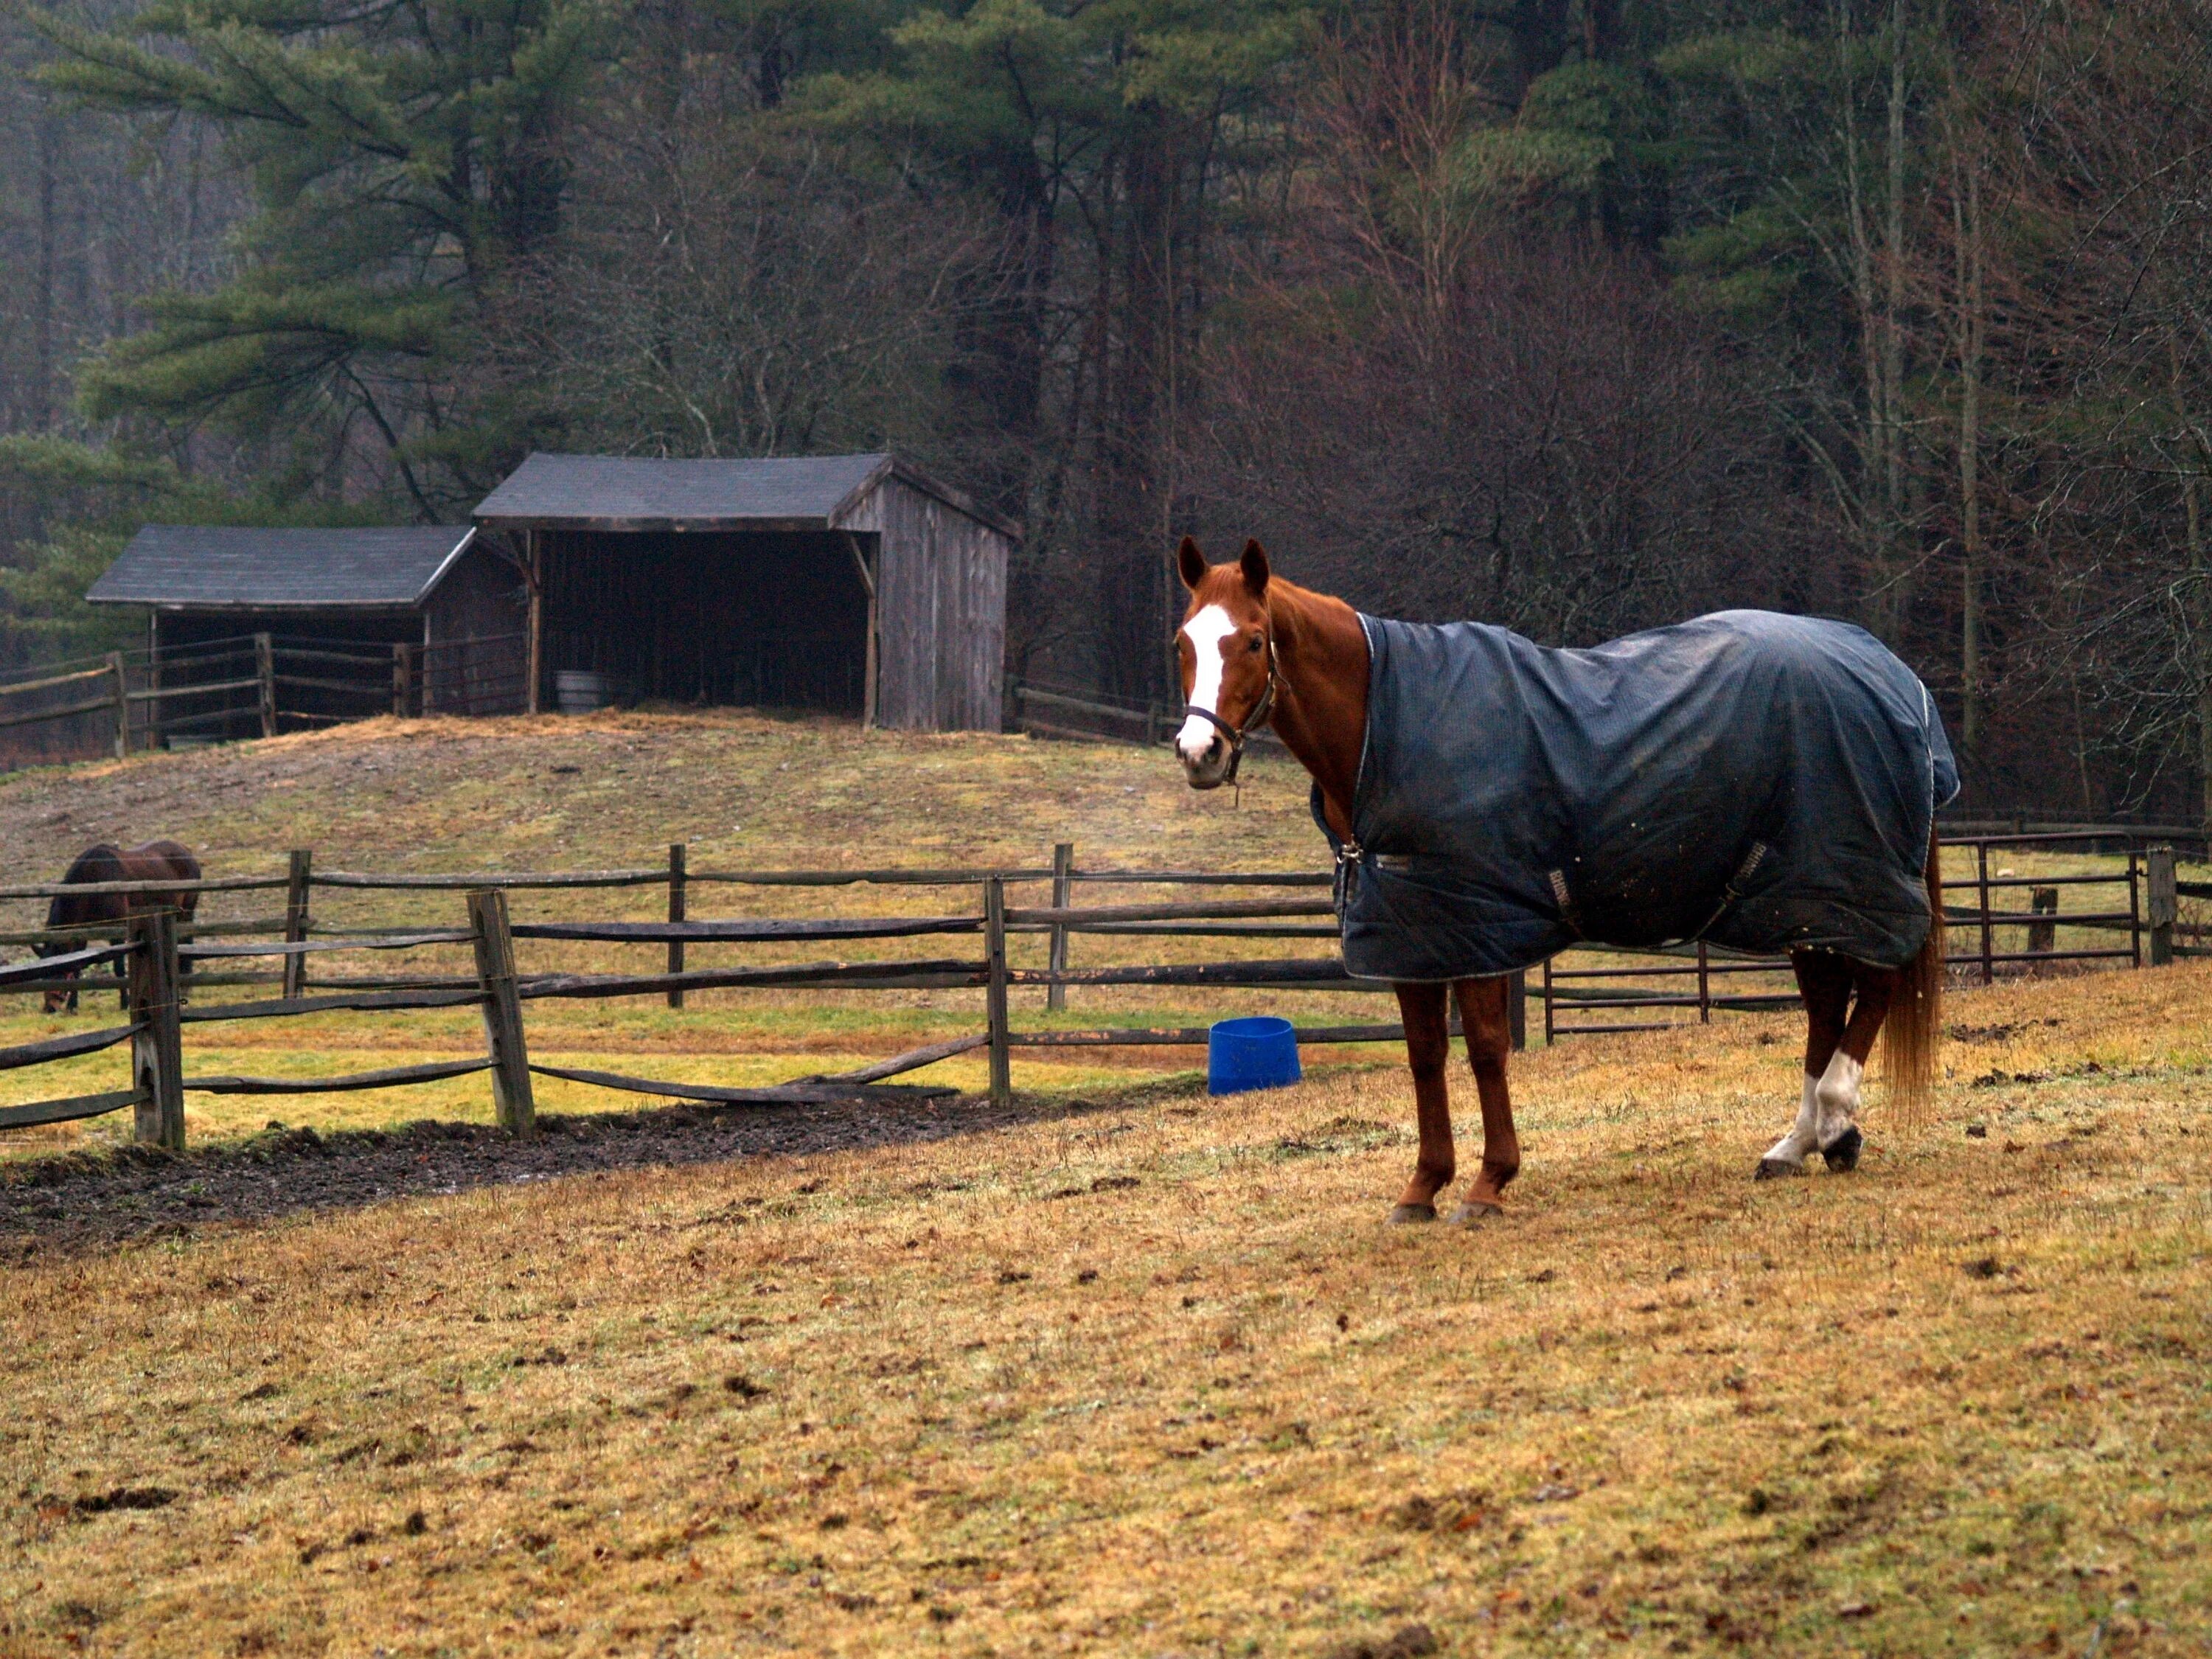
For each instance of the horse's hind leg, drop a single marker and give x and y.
(1428, 1047)
(1836, 1095)
(1483, 1015)
(1825, 981)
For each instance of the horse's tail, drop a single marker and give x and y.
(1913, 1030)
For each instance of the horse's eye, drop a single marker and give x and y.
(1255, 643)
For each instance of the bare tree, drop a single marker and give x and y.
(729, 293)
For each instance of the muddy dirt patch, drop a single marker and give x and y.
(93, 1199)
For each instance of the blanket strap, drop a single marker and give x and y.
(1734, 891)
(1348, 856)
(1564, 899)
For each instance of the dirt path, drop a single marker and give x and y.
(83, 1200)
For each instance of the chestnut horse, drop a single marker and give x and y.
(1254, 649)
(156, 860)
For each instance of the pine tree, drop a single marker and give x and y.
(402, 158)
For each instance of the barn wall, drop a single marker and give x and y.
(475, 651)
(940, 613)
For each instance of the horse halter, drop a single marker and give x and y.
(1253, 721)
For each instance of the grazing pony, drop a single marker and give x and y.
(1767, 782)
(156, 860)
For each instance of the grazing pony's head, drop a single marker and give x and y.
(102, 861)
(1226, 656)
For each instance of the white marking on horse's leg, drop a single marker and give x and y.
(1206, 631)
(1793, 1148)
(1836, 1097)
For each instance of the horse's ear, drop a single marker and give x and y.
(1190, 565)
(1253, 564)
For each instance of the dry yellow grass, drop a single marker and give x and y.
(1153, 1379)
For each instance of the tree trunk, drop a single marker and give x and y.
(1874, 523)
(41, 403)
(1132, 551)
(1973, 333)
(2196, 611)
(1896, 540)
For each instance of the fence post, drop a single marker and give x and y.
(122, 705)
(1063, 889)
(676, 896)
(1704, 987)
(2164, 903)
(2134, 906)
(502, 1012)
(157, 1064)
(403, 679)
(2043, 936)
(153, 722)
(994, 954)
(295, 919)
(1547, 1003)
(1516, 1008)
(1989, 967)
(264, 668)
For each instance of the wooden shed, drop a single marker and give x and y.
(436, 605)
(854, 583)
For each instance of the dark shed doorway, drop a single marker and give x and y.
(777, 620)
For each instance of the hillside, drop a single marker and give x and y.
(593, 790)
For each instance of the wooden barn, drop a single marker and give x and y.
(853, 583)
(431, 617)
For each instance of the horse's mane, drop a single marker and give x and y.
(101, 861)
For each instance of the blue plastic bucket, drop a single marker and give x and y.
(1261, 1052)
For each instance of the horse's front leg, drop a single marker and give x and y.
(1485, 1016)
(1428, 1047)
(1836, 1095)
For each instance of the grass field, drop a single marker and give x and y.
(1151, 1378)
(1142, 1373)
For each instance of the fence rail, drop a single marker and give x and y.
(154, 953)
(151, 695)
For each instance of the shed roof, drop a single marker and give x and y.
(229, 568)
(632, 492)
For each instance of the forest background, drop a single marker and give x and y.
(1574, 315)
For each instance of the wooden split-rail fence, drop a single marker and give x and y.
(154, 950)
(256, 685)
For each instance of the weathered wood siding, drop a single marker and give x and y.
(475, 657)
(940, 611)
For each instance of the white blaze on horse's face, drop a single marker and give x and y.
(1209, 633)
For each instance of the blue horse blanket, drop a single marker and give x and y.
(1762, 781)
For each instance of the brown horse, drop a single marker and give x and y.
(157, 860)
(1255, 649)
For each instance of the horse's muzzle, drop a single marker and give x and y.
(1209, 768)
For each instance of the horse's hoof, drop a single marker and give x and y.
(1844, 1156)
(1407, 1215)
(1773, 1168)
(1473, 1215)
